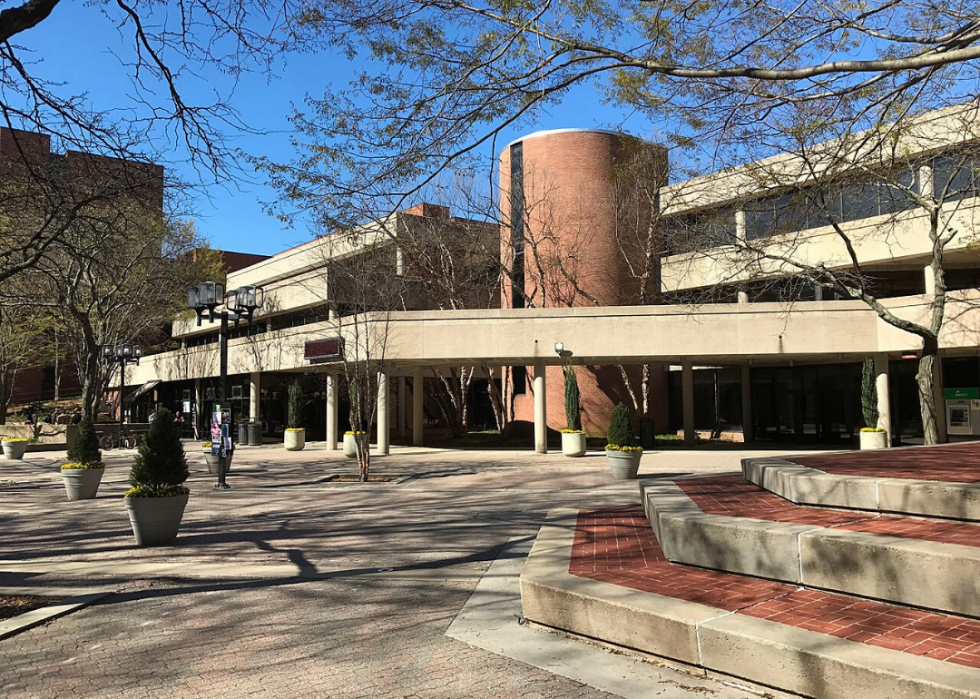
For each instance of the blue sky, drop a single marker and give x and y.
(80, 47)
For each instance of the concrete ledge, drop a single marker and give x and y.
(761, 651)
(808, 486)
(551, 596)
(23, 622)
(746, 546)
(920, 573)
(817, 665)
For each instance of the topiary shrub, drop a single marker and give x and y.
(85, 448)
(620, 433)
(294, 406)
(573, 402)
(869, 394)
(160, 467)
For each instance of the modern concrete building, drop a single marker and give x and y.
(709, 282)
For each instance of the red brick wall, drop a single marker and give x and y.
(573, 235)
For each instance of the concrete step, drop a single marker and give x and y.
(724, 523)
(602, 574)
(865, 486)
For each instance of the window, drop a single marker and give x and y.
(699, 231)
(955, 177)
(519, 376)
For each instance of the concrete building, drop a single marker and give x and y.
(709, 282)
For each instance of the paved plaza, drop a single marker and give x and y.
(290, 585)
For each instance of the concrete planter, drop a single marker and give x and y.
(624, 464)
(573, 444)
(82, 483)
(14, 451)
(350, 446)
(213, 460)
(295, 439)
(874, 440)
(155, 521)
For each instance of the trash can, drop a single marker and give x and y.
(243, 432)
(648, 434)
(254, 434)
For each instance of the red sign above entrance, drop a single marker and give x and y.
(323, 350)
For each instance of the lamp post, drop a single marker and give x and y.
(124, 353)
(238, 303)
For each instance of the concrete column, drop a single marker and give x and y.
(540, 409)
(937, 392)
(332, 410)
(384, 433)
(417, 411)
(687, 396)
(884, 401)
(740, 225)
(930, 280)
(747, 435)
(743, 297)
(199, 411)
(254, 395)
(402, 387)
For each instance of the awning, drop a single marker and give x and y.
(148, 386)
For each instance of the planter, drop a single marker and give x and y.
(350, 446)
(295, 439)
(874, 440)
(155, 521)
(14, 451)
(624, 464)
(573, 443)
(213, 460)
(82, 483)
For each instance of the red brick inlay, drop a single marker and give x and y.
(954, 463)
(735, 497)
(617, 546)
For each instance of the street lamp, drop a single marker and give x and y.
(124, 353)
(238, 303)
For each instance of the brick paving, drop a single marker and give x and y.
(616, 545)
(406, 559)
(734, 497)
(954, 463)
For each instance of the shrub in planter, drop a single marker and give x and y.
(158, 496)
(295, 436)
(621, 448)
(14, 448)
(83, 472)
(872, 436)
(350, 443)
(572, 437)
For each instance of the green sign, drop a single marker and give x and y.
(961, 393)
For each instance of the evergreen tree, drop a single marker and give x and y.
(160, 461)
(294, 408)
(573, 407)
(620, 432)
(85, 447)
(869, 394)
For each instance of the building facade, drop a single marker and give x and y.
(752, 295)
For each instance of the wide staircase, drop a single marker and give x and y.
(835, 576)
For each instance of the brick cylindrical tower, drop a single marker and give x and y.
(576, 208)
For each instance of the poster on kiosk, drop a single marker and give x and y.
(220, 431)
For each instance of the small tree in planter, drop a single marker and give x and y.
(158, 496)
(572, 437)
(83, 472)
(621, 449)
(295, 438)
(872, 436)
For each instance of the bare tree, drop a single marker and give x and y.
(467, 71)
(889, 191)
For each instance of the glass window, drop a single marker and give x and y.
(954, 177)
